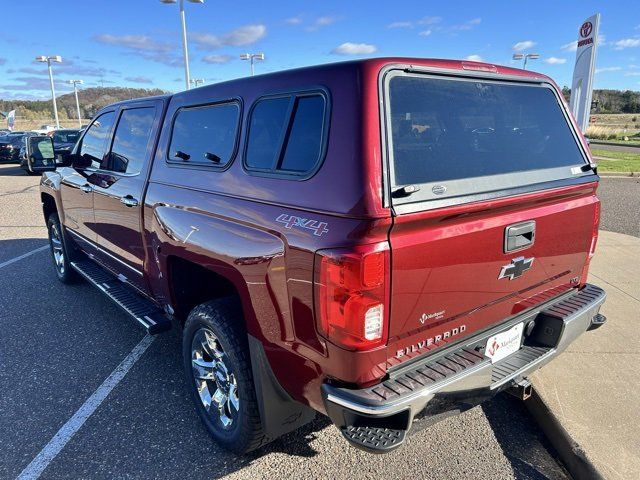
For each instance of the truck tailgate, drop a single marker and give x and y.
(446, 265)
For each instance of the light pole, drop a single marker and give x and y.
(48, 60)
(197, 81)
(525, 56)
(252, 57)
(184, 37)
(75, 84)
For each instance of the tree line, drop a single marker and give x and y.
(612, 101)
(91, 100)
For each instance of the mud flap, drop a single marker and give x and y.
(280, 413)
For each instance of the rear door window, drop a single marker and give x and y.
(445, 130)
(286, 134)
(205, 135)
(130, 140)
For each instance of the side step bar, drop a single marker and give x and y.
(142, 310)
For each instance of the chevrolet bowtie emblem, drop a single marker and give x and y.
(516, 268)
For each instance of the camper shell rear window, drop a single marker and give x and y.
(452, 136)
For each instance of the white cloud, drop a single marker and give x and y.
(297, 20)
(425, 33)
(429, 20)
(608, 69)
(555, 60)
(626, 43)
(400, 25)
(216, 58)
(474, 58)
(350, 48)
(145, 47)
(468, 25)
(245, 35)
(323, 21)
(134, 42)
(525, 44)
(632, 74)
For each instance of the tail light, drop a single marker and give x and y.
(351, 288)
(594, 241)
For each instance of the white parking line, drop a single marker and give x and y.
(69, 429)
(24, 255)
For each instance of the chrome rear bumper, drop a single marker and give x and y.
(377, 418)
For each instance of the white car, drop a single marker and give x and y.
(44, 129)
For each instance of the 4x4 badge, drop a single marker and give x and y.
(318, 228)
(516, 268)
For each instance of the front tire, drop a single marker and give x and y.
(218, 373)
(59, 251)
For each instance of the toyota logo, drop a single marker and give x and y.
(585, 29)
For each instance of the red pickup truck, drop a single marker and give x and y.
(382, 241)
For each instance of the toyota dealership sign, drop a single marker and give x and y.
(582, 84)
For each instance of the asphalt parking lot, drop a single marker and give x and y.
(61, 342)
(620, 197)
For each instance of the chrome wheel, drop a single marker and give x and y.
(216, 384)
(56, 248)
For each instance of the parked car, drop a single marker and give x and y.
(64, 141)
(4, 132)
(10, 146)
(44, 129)
(382, 241)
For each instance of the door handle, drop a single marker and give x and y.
(86, 188)
(129, 201)
(519, 236)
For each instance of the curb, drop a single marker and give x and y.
(616, 144)
(619, 175)
(570, 452)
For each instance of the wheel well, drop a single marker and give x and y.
(192, 284)
(48, 205)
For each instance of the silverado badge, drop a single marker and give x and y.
(516, 268)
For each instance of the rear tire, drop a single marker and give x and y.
(59, 251)
(217, 368)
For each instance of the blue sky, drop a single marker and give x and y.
(136, 43)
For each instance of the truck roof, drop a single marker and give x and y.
(375, 64)
(371, 65)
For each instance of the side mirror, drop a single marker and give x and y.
(78, 161)
(40, 154)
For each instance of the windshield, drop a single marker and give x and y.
(450, 129)
(65, 137)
